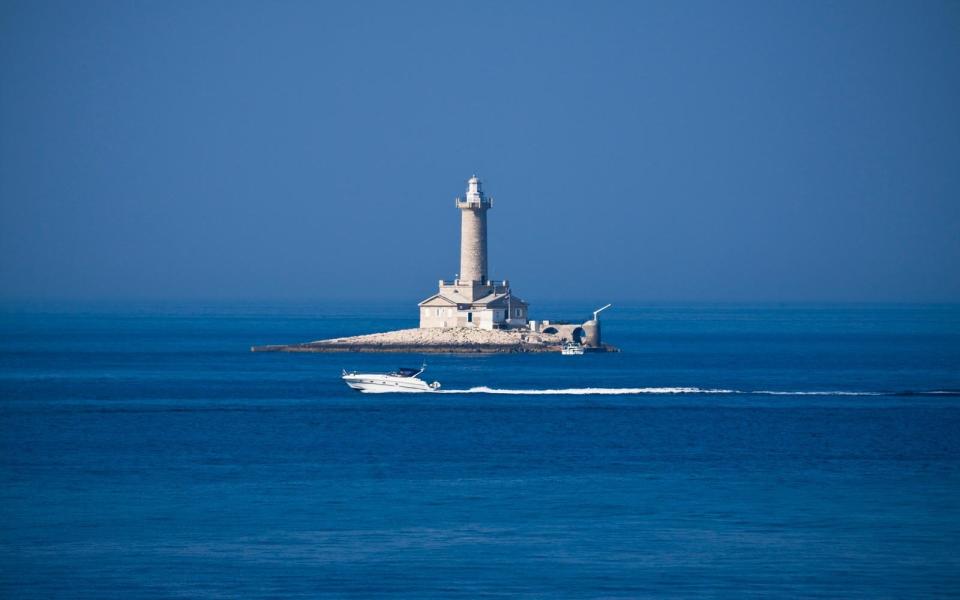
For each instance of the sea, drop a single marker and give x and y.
(728, 451)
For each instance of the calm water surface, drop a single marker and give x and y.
(144, 452)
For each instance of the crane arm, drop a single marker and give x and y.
(596, 313)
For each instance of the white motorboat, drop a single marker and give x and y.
(571, 349)
(402, 380)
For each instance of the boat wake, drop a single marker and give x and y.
(594, 391)
(589, 391)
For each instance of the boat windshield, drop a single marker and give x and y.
(405, 372)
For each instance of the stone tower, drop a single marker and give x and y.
(473, 234)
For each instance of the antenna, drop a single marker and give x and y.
(596, 313)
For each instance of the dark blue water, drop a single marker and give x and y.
(144, 452)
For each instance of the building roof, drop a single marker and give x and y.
(498, 301)
(438, 300)
(488, 301)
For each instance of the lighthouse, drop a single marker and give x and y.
(472, 298)
(473, 233)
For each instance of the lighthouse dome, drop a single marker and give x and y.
(473, 186)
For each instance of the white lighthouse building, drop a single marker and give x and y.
(473, 299)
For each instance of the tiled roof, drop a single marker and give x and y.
(438, 299)
(498, 300)
(488, 301)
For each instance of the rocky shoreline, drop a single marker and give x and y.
(459, 340)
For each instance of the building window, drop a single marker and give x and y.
(469, 317)
(517, 312)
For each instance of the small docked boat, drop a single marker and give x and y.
(571, 349)
(401, 380)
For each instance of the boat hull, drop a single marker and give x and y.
(379, 384)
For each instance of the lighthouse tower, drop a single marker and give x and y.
(473, 234)
(473, 299)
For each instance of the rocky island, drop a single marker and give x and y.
(454, 340)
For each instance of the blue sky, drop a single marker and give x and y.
(648, 151)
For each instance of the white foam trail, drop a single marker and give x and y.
(589, 391)
(647, 390)
(824, 393)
